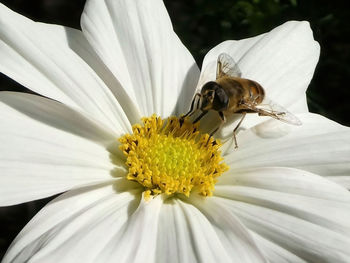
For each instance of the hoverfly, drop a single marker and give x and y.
(230, 94)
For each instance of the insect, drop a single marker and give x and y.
(230, 94)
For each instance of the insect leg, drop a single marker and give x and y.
(255, 99)
(192, 111)
(223, 120)
(235, 129)
(275, 115)
(262, 112)
(200, 116)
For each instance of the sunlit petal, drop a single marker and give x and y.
(304, 214)
(136, 41)
(40, 58)
(47, 148)
(72, 222)
(319, 145)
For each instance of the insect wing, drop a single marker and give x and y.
(226, 66)
(270, 108)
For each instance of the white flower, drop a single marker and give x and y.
(271, 205)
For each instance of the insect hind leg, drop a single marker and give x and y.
(261, 112)
(273, 114)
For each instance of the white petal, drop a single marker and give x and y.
(39, 57)
(293, 181)
(320, 146)
(342, 180)
(282, 61)
(174, 242)
(233, 235)
(47, 148)
(275, 253)
(79, 44)
(135, 39)
(140, 236)
(188, 235)
(307, 215)
(295, 189)
(56, 115)
(80, 225)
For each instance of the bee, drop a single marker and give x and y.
(231, 94)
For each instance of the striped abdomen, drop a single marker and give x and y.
(238, 90)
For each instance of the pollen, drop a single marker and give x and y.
(172, 157)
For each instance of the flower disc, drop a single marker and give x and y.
(172, 156)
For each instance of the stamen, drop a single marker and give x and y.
(171, 156)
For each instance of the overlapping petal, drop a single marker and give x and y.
(282, 61)
(274, 253)
(233, 235)
(47, 148)
(320, 146)
(175, 239)
(302, 213)
(190, 235)
(136, 41)
(39, 57)
(96, 215)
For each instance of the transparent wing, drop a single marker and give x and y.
(226, 66)
(274, 110)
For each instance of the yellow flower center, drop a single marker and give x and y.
(172, 156)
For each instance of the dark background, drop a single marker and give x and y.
(202, 24)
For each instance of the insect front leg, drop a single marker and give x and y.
(200, 116)
(223, 120)
(192, 110)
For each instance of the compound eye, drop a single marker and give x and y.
(221, 99)
(211, 85)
